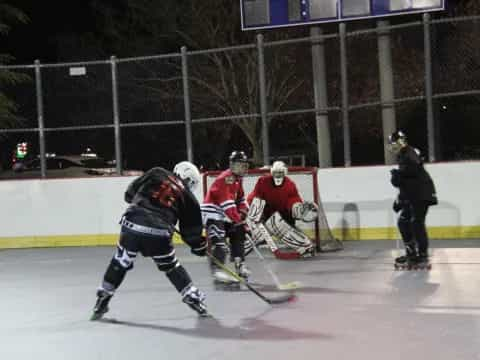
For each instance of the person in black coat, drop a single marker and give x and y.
(416, 194)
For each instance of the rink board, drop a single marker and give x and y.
(357, 202)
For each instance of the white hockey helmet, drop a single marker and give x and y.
(189, 173)
(279, 171)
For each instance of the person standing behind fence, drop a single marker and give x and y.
(416, 194)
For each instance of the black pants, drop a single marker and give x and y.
(411, 224)
(217, 234)
(137, 236)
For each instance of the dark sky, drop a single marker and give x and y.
(36, 40)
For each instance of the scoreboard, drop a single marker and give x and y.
(265, 14)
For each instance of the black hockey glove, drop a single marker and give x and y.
(397, 205)
(201, 248)
(395, 177)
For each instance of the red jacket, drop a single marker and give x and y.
(225, 199)
(277, 198)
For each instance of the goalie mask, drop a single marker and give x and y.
(279, 171)
(189, 173)
(396, 141)
(238, 163)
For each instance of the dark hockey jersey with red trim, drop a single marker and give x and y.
(163, 199)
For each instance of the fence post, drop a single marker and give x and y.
(428, 87)
(263, 100)
(186, 104)
(344, 87)
(116, 117)
(387, 94)
(41, 125)
(320, 96)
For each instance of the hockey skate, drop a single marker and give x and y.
(101, 306)
(412, 262)
(421, 263)
(242, 269)
(194, 298)
(224, 281)
(308, 253)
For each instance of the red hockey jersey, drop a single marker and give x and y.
(277, 198)
(225, 199)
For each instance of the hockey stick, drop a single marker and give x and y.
(277, 300)
(289, 286)
(281, 254)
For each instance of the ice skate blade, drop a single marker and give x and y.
(205, 315)
(96, 316)
(413, 267)
(290, 286)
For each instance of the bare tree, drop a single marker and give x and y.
(226, 83)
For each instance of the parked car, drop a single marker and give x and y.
(63, 166)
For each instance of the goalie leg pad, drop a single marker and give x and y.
(261, 235)
(290, 235)
(255, 211)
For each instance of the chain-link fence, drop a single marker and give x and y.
(329, 99)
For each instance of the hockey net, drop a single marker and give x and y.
(307, 183)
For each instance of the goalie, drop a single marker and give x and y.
(275, 205)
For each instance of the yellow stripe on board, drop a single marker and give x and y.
(391, 233)
(381, 233)
(60, 241)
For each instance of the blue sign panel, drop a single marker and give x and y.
(264, 14)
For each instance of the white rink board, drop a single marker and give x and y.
(358, 197)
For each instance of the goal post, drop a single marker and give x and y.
(306, 180)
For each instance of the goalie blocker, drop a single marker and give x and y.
(279, 228)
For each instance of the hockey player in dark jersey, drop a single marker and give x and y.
(158, 199)
(416, 194)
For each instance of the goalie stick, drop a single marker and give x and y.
(269, 300)
(289, 286)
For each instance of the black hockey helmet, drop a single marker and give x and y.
(238, 162)
(396, 141)
(396, 136)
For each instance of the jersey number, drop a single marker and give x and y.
(168, 191)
